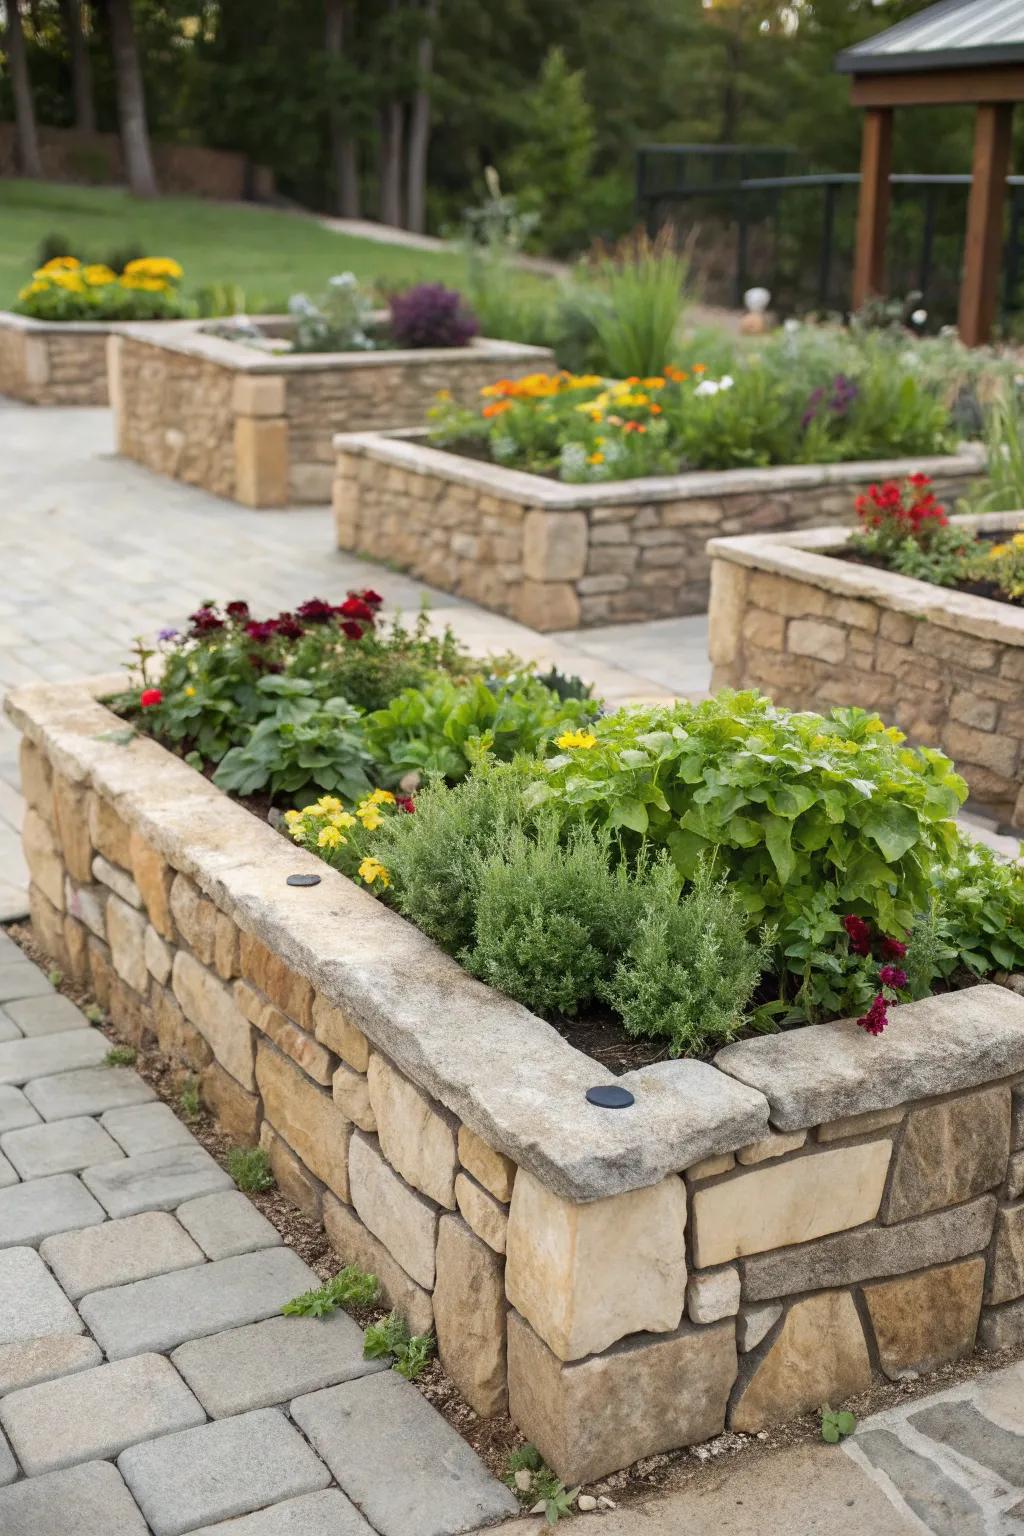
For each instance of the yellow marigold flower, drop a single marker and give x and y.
(145, 284)
(595, 458)
(329, 837)
(998, 550)
(98, 275)
(1018, 540)
(311, 810)
(371, 818)
(190, 692)
(59, 264)
(874, 726)
(380, 797)
(575, 739)
(372, 870)
(342, 819)
(895, 736)
(71, 281)
(154, 266)
(328, 804)
(298, 830)
(656, 383)
(292, 816)
(31, 289)
(585, 381)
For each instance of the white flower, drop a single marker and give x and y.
(725, 382)
(343, 280)
(707, 387)
(919, 316)
(791, 326)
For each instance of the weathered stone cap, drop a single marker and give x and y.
(505, 1072)
(939, 1045)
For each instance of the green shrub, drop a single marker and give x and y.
(250, 1169)
(551, 165)
(981, 906)
(636, 295)
(689, 971)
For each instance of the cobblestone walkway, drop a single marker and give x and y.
(148, 1382)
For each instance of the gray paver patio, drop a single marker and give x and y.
(41, 1359)
(93, 1496)
(30, 1212)
(146, 1128)
(119, 1253)
(15, 1109)
(31, 1301)
(228, 1224)
(47, 1015)
(22, 1060)
(154, 1181)
(7, 1174)
(314, 1514)
(64, 1147)
(87, 1092)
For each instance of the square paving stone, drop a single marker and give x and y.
(8, 1029)
(8, 1465)
(163, 1312)
(15, 1110)
(88, 1091)
(399, 1461)
(29, 1212)
(146, 1128)
(156, 1181)
(47, 1015)
(64, 1147)
(59, 1354)
(20, 978)
(7, 1173)
(226, 1224)
(314, 1514)
(272, 1362)
(22, 1060)
(91, 1500)
(228, 1468)
(96, 1414)
(119, 1252)
(31, 1301)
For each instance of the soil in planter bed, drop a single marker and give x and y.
(972, 588)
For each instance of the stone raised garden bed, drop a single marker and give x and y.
(46, 363)
(258, 427)
(814, 631)
(559, 556)
(749, 1240)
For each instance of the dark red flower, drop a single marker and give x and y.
(261, 630)
(859, 934)
(405, 803)
(356, 608)
(150, 697)
(352, 629)
(315, 611)
(893, 949)
(877, 1016)
(237, 610)
(288, 626)
(204, 621)
(369, 596)
(892, 976)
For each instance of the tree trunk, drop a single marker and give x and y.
(392, 126)
(26, 137)
(344, 149)
(81, 65)
(419, 126)
(131, 100)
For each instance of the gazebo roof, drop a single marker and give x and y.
(955, 34)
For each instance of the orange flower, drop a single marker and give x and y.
(499, 387)
(700, 367)
(634, 426)
(655, 409)
(496, 407)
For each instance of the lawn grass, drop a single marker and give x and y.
(267, 252)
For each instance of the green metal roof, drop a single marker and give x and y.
(955, 34)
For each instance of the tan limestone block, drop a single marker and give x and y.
(547, 605)
(554, 545)
(710, 1167)
(417, 1136)
(195, 916)
(129, 1013)
(294, 1179)
(157, 954)
(1006, 1278)
(126, 934)
(1014, 1172)
(177, 1038)
(236, 1111)
(36, 353)
(87, 903)
(43, 858)
(110, 836)
(469, 1315)
(491, 1168)
(261, 461)
(306, 1116)
(117, 880)
(789, 1202)
(209, 1005)
(351, 1092)
(815, 638)
(727, 605)
(76, 939)
(256, 394)
(950, 1152)
(586, 1275)
(340, 1035)
(923, 1321)
(36, 778)
(47, 925)
(153, 877)
(101, 971)
(487, 1216)
(225, 947)
(645, 1396)
(403, 1220)
(775, 1144)
(292, 993)
(861, 1125)
(306, 1052)
(71, 815)
(712, 1294)
(818, 1356)
(356, 1244)
(248, 1001)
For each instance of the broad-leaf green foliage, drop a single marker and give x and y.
(409, 1353)
(320, 744)
(980, 912)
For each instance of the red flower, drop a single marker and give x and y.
(892, 976)
(315, 611)
(919, 479)
(352, 629)
(237, 610)
(405, 803)
(261, 630)
(859, 934)
(150, 697)
(204, 621)
(288, 626)
(356, 608)
(877, 1016)
(893, 949)
(369, 596)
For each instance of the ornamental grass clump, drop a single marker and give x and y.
(65, 288)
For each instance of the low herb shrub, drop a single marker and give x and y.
(64, 289)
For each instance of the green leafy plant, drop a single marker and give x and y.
(410, 1353)
(638, 295)
(350, 1287)
(836, 1426)
(120, 1056)
(189, 1101)
(94, 1013)
(307, 746)
(1003, 487)
(250, 1169)
(55, 977)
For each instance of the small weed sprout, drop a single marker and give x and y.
(55, 977)
(836, 1426)
(250, 1169)
(188, 1099)
(121, 1056)
(536, 1486)
(94, 1013)
(351, 1287)
(410, 1353)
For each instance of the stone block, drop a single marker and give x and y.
(436, 1485)
(765, 631)
(949, 1153)
(817, 639)
(225, 947)
(158, 956)
(155, 1181)
(291, 1175)
(38, 1506)
(23, 1060)
(871, 1253)
(586, 1275)
(237, 1111)
(417, 1136)
(71, 818)
(775, 1144)
(590, 1418)
(469, 1315)
(258, 394)
(1002, 1327)
(15, 1110)
(491, 1168)
(42, 856)
(88, 1091)
(964, 744)
(755, 1323)
(209, 1005)
(153, 877)
(36, 778)
(66, 1146)
(925, 1320)
(327, 1513)
(711, 1167)
(307, 1117)
(161, 1313)
(97, 1413)
(351, 1092)
(399, 1215)
(306, 1052)
(789, 1202)
(548, 605)
(76, 945)
(487, 1216)
(47, 927)
(219, 1470)
(227, 1224)
(1014, 1173)
(355, 1244)
(860, 1125)
(117, 880)
(1006, 1272)
(19, 978)
(43, 1358)
(31, 1302)
(126, 933)
(111, 837)
(554, 545)
(712, 1294)
(195, 918)
(261, 461)
(818, 1356)
(146, 1128)
(50, 1014)
(119, 1252)
(335, 1030)
(292, 993)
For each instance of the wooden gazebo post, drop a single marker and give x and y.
(873, 209)
(983, 248)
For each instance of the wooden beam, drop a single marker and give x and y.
(939, 87)
(873, 208)
(983, 249)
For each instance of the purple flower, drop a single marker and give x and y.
(167, 634)
(431, 315)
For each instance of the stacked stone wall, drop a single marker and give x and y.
(59, 365)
